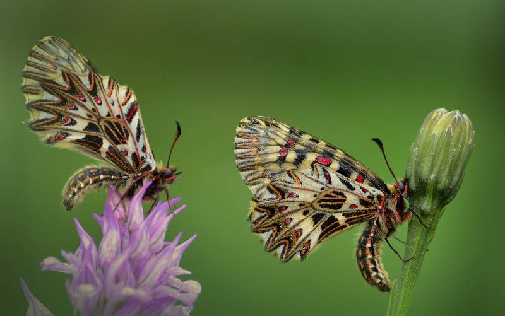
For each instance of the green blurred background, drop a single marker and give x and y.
(343, 71)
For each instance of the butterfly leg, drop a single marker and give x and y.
(390, 233)
(120, 200)
(128, 193)
(399, 240)
(167, 194)
(155, 200)
(403, 242)
(419, 218)
(396, 252)
(392, 248)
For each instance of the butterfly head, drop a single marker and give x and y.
(169, 174)
(402, 187)
(400, 192)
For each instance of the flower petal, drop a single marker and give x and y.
(74, 259)
(159, 228)
(53, 264)
(118, 275)
(176, 310)
(154, 271)
(130, 309)
(86, 276)
(135, 210)
(87, 283)
(179, 250)
(185, 292)
(139, 245)
(87, 244)
(174, 201)
(35, 307)
(84, 297)
(110, 246)
(113, 199)
(98, 219)
(175, 271)
(161, 209)
(157, 235)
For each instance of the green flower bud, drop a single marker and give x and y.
(438, 158)
(435, 170)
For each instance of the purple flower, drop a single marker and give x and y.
(133, 271)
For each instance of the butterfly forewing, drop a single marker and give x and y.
(75, 107)
(304, 189)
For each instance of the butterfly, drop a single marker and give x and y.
(306, 190)
(73, 106)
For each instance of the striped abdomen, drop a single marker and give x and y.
(368, 256)
(88, 179)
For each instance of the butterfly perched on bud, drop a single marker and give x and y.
(73, 106)
(306, 190)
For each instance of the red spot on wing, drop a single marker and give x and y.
(62, 135)
(283, 208)
(98, 100)
(298, 233)
(283, 152)
(291, 143)
(323, 160)
(364, 190)
(327, 176)
(144, 149)
(124, 152)
(72, 107)
(292, 195)
(360, 178)
(67, 120)
(81, 97)
(132, 111)
(353, 206)
(307, 245)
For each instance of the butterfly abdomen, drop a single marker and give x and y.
(88, 179)
(369, 260)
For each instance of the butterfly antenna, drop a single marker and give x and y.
(381, 146)
(176, 138)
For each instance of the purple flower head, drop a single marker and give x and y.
(133, 271)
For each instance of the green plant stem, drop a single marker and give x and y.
(418, 239)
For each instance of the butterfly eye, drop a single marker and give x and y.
(401, 186)
(168, 172)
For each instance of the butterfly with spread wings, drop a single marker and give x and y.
(73, 106)
(306, 190)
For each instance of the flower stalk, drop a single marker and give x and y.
(435, 171)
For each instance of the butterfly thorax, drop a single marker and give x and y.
(392, 210)
(160, 178)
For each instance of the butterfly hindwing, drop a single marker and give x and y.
(75, 107)
(304, 189)
(297, 217)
